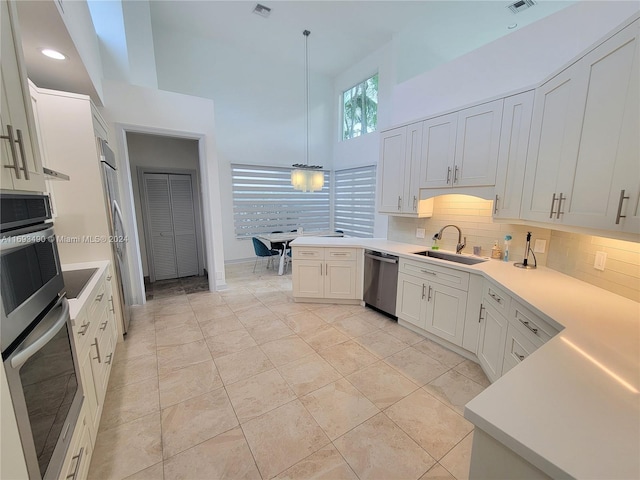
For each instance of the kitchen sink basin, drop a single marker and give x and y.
(451, 257)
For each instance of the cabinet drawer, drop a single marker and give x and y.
(537, 330)
(435, 273)
(340, 253)
(308, 253)
(518, 348)
(497, 297)
(97, 301)
(82, 328)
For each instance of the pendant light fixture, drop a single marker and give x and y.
(305, 177)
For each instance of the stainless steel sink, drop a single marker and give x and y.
(451, 257)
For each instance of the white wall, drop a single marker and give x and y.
(158, 152)
(260, 109)
(140, 109)
(520, 59)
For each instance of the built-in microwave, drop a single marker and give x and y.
(38, 352)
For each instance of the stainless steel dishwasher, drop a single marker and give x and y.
(380, 281)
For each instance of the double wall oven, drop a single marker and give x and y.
(35, 333)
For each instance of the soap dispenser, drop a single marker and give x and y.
(495, 251)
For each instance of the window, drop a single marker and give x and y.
(360, 109)
(355, 196)
(264, 201)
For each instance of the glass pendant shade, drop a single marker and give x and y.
(307, 180)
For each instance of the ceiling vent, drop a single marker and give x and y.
(521, 5)
(262, 10)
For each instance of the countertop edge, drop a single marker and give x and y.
(76, 304)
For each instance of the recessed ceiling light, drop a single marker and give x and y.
(56, 55)
(512, 26)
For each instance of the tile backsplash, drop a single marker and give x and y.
(569, 253)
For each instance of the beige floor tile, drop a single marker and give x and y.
(137, 344)
(348, 357)
(218, 326)
(325, 464)
(241, 365)
(224, 457)
(126, 371)
(175, 299)
(269, 298)
(259, 394)
(230, 342)
(473, 371)
(323, 337)
(128, 448)
(308, 374)
(458, 460)
(205, 299)
(248, 302)
(376, 319)
(174, 308)
(353, 326)
(286, 350)
(154, 472)
(436, 427)
(129, 402)
(175, 357)
(179, 335)
(282, 437)
(379, 449)
(382, 384)
(177, 320)
(338, 407)
(188, 382)
(304, 321)
(195, 420)
(205, 312)
(402, 333)
(332, 313)
(288, 309)
(270, 331)
(381, 344)
(256, 316)
(239, 298)
(440, 353)
(437, 472)
(454, 389)
(416, 366)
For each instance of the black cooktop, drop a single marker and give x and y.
(76, 280)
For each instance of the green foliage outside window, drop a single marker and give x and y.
(360, 108)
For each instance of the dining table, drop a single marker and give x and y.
(280, 241)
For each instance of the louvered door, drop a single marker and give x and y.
(184, 225)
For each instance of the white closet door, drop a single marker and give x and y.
(184, 225)
(160, 226)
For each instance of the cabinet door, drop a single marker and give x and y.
(512, 155)
(391, 173)
(89, 389)
(438, 151)
(446, 308)
(411, 300)
(411, 196)
(308, 278)
(78, 458)
(477, 142)
(517, 348)
(16, 111)
(607, 71)
(553, 144)
(340, 279)
(493, 332)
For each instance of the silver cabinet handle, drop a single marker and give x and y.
(109, 358)
(112, 309)
(480, 314)
(99, 297)
(455, 175)
(424, 288)
(560, 205)
(429, 272)
(23, 154)
(109, 278)
(553, 201)
(399, 202)
(620, 202)
(14, 153)
(97, 350)
(495, 206)
(78, 459)
(307, 253)
(429, 296)
(83, 328)
(520, 357)
(448, 175)
(526, 324)
(415, 203)
(103, 326)
(495, 297)
(338, 254)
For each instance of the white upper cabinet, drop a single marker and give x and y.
(461, 149)
(584, 141)
(512, 156)
(21, 168)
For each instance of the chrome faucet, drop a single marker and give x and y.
(461, 244)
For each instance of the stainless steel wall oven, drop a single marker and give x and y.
(35, 333)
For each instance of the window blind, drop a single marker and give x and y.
(265, 201)
(354, 201)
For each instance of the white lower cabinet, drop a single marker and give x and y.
(493, 332)
(332, 273)
(76, 464)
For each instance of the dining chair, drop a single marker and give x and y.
(263, 251)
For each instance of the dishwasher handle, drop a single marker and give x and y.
(381, 259)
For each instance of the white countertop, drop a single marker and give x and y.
(75, 304)
(572, 408)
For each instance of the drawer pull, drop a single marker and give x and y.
(23, 155)
(520, 357)
(338, 254)
(455, 174)
(78, 459)
(429, 272)
(97, 351)
(112, 309)
(560, 199)
(553, 202)
(619, 214)
(109, 278)
(495, 206)
(526, 324)
(83, 328)
(99, 297)
(14, 152)
(103, 326)
(495, 297)
(424, 287)
(448, 175)
(415, 203)
(307, 253)
(429, 296)
(109, 357)
(480, 314)
(399, 202)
